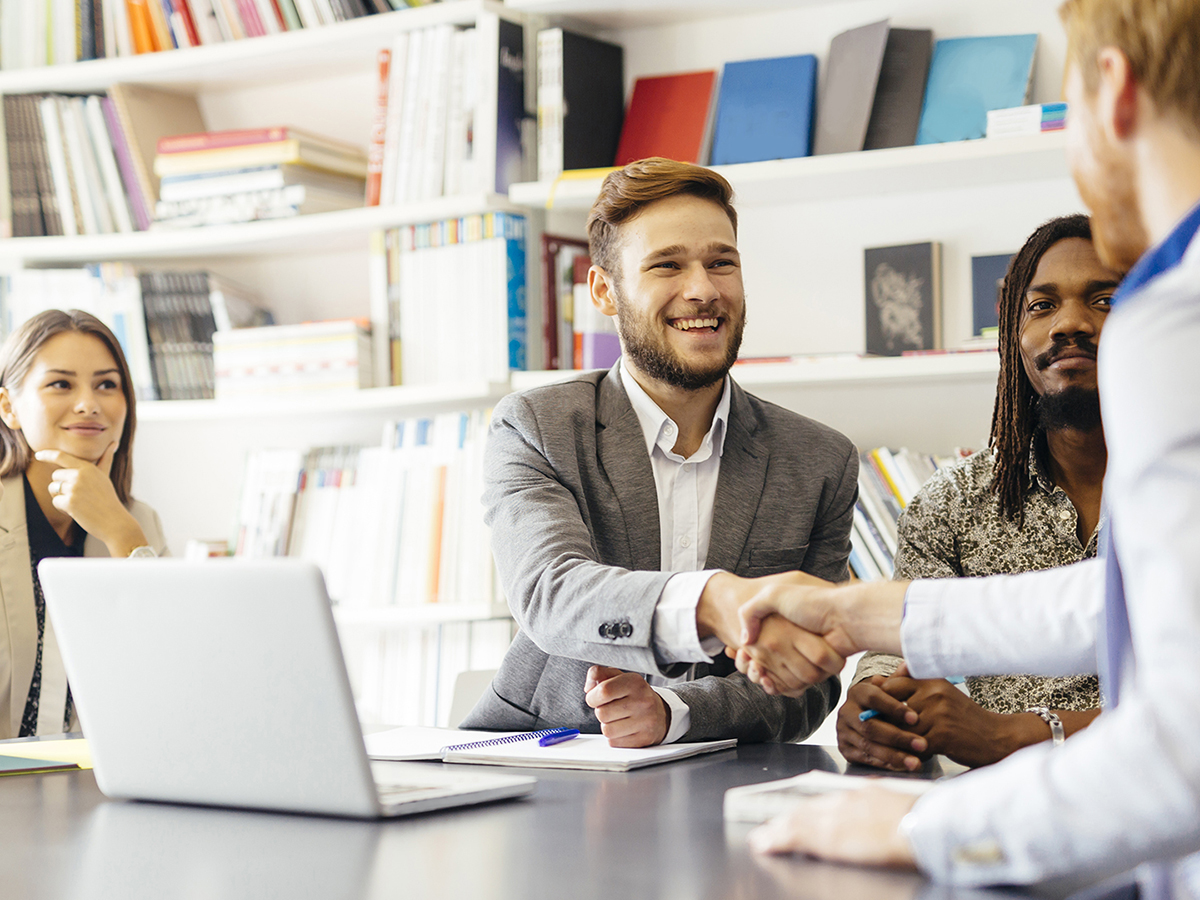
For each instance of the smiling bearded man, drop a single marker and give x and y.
(633, 510)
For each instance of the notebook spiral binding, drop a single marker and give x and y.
(511, 739)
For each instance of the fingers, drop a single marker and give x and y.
(61, 459)
(104, 463)
(597, 674)
(793, 658)
(630, 712)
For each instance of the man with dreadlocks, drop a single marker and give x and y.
(1029, 501)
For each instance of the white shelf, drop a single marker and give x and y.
(304, 54)
(426, 614)
(321, 232)
(639, 13)
(833, 370)
(402, 400)
(870, 173)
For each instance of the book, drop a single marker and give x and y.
(580, 101)
(596, 343)
(510, 107)
(375, 151)
(587, 751)
(760, 802)
(848, 93)
(241, 137)
(17, 765)
(903, 298)
(145, 115)
(668, 116)
(559, 255)
(291, 360)
(1026, 119)
(258, 178)
(291, 150)
(969, 76)
(987, 278)
(900, 91)
(765, 110)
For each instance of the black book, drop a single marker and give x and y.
(900, 91)
(581, 101)
(903, 298)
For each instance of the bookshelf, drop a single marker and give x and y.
(803, 226)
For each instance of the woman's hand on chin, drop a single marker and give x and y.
(84, 491)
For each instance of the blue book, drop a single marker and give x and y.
(968, 77)
(765, 110)
(987, 274)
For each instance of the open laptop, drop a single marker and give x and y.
(222, 683)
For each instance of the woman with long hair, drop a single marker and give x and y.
(67, 420)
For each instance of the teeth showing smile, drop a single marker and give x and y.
(689, 324)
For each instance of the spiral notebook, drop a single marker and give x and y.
(520, 748)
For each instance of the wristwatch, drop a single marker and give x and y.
(143, 552)
(1057, 735)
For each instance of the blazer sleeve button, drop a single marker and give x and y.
(625, 630)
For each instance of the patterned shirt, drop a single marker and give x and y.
(953, 529)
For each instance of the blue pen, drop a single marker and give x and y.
(867, 714)
(558, 736)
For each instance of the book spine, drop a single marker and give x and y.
(213, 140)
(515, 281)
(550, 103)
(6, 212)
(56, 165)
(140, 26)
(376, 150)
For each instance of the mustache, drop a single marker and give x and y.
(1055, 353)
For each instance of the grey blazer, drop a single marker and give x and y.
(571, 502)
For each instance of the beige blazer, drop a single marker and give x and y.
(18, 630)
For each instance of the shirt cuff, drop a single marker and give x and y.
(675, 637)
(681, 716)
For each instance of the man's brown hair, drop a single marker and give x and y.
(16, 359)
(1161, 39)
(629, 190)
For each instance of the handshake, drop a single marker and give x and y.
(790, 631)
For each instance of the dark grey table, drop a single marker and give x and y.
(653, 833)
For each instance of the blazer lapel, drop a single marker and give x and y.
(20, 617)
(740, 485)
(621, 447)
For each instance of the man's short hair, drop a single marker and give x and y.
(1161, 39)
(627, 191)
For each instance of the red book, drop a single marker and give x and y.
(668, 116)
(189, 24)
(378, 128)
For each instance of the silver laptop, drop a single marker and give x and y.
(222, 683)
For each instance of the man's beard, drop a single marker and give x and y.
(1077, 408)
(651, 355)
(1107, 188)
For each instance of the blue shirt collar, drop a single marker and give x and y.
(1161, 258)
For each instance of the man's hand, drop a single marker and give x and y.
(787, 658)
(849, 618)
(884, 741)
(631, 713)
(857, 827)
(956, 726)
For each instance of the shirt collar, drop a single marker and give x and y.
(655, 422)
(1161, 258)
(1038, 477)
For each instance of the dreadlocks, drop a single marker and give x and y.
(1014, 419)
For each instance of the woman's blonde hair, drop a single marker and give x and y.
(16, 359)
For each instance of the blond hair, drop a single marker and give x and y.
(1160, 38)
(629, 190)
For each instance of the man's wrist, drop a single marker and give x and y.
(716, 613)
(871, 613)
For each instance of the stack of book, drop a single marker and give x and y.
(287, 360)
(49, 32)
(1027, 119)
(165, 321)
(428, 115)
(221, 177)
(418, 290)
(391, 525)
(887, 481)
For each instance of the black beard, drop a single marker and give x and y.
(659, 362)
(1076, 408)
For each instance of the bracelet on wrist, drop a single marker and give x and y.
(1057, 734)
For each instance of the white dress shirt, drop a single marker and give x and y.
(1127, 789)
(687, 491)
